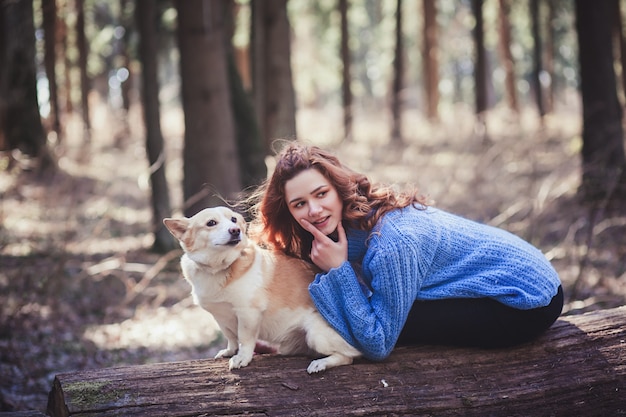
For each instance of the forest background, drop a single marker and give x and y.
(509, 113)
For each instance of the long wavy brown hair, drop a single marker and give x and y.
(364, 203)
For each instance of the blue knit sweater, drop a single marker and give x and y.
(414, 254)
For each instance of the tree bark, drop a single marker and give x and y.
(480, 71)
(603, 159)
(398, 75)
(211, 163)
(146, 18)
(66, 83)
(576, 368)
(4, 84)
(430, 57)
(49, 10)
(346, 78)
(621, 45)
(272, 85)
(83, 52)
(537, 57)
(127, 85)
(549, 56)
(251, 148)
(20, 122)
(507, 56)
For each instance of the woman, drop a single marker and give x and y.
(396, 271)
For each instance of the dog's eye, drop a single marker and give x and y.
(211, 223)
(233, 219)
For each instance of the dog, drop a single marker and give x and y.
(254, 293)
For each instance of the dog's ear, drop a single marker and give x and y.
(177, 227)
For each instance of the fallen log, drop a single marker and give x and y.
(578, 368)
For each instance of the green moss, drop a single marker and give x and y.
(86, 394)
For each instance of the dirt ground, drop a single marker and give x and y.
(80, 288)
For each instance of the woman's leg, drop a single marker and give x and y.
(476, 322)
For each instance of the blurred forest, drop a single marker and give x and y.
(116, 114)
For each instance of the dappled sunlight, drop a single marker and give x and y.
(164, 328)
(111, 245)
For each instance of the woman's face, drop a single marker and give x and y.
(310, 196)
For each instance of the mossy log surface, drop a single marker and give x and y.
(578, 368)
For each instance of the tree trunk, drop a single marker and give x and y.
(4, 84)
(480, 70)
(251, 150)
(430, 58)
(20, 122)
(85, 85)
(49, 9)
(346, 78)
(64, 11)
(398, 84)
(603, 159)
(507, 56)
(126, 87)
(576, 369)
(549, 57)
(274, 96)
(537, 61)
(621, 45)
(249, 144)
(211, 163)
(146, 18)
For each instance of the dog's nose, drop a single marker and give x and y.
(234, 231)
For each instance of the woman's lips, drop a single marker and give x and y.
(321, 223)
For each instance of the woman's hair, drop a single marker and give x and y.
(363, 203)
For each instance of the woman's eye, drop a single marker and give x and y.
(322, 194)
(211, 223)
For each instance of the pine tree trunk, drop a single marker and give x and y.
(49, 27)
(20, 122)
(85, 84)
(398, 73)
(549, 56)
(251, 150)
(430, 57)
(537, 61)
(146, 18)
(507, 56)
(480, 71)
(274, 96)
(346, 78)
(603, 156)
(211, 162)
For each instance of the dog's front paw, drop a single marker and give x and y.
(317, 365)
(225, 353)
(239, 361)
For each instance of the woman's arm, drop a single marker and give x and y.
(371, 322)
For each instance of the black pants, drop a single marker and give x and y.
(476, 322)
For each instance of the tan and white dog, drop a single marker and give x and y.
(253, 293)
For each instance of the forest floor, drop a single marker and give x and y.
(80, 288)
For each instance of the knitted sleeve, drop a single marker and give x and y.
(372, 320)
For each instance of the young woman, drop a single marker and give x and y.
(396, 271)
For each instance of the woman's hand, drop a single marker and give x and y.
(325, 252)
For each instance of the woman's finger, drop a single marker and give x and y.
(308, 226)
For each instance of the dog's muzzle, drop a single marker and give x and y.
(235, 235)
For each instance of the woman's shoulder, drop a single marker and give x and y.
(399, 224)
(407, 217)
